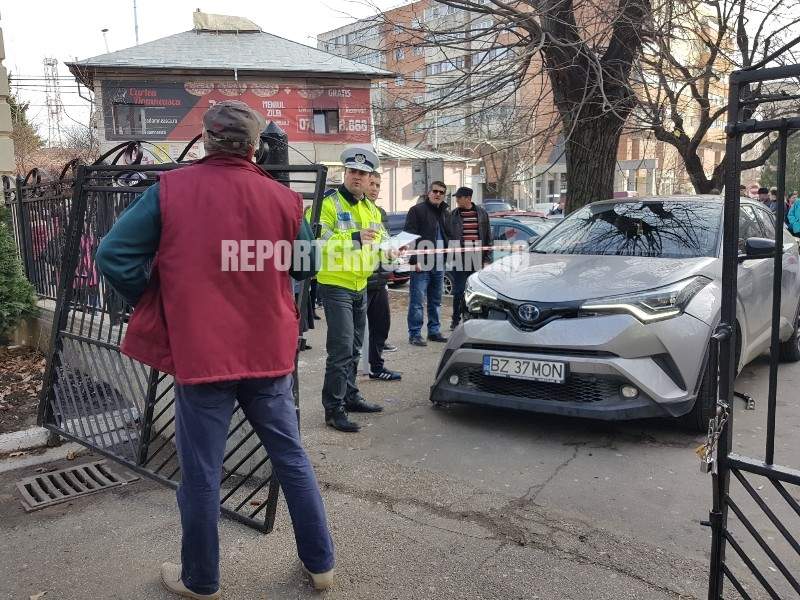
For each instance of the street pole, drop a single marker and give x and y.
(135, 23)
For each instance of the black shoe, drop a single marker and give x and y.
(387, 347)
(338, 420)
(362, 406)
(436, 337)
(453, 326)
(385, 375)
(417, 341)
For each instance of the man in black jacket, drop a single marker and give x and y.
(469, 225)
(379, 316)
(430, 221)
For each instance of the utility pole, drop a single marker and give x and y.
(55, 107)
(135, 23)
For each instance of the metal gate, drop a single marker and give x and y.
(94, 395)
(755, 518)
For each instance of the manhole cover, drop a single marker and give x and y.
(63, 485)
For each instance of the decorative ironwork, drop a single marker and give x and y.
(765, 494)
(113, 404)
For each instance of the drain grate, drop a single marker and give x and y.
(63, 485)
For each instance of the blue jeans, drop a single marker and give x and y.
(425, 285)
(346, 317)
(202, 417)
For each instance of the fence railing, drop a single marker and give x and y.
(39, 217)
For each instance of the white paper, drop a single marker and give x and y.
(398, 241)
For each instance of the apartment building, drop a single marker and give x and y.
(405, 41)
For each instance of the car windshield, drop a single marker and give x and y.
(665, 229)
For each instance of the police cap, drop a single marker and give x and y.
(362, 158)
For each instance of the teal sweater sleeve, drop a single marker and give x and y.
(304, 269)
(125, 252)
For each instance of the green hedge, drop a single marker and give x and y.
(17, 298)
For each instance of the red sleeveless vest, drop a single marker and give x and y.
(196, 321)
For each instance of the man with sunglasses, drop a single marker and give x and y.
(429, 220)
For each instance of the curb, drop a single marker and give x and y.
(35, 437)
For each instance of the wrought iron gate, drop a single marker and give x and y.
(765, 494)
(94, 395)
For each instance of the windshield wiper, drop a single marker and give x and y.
(539, 251)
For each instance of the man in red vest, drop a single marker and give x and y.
(225, 325)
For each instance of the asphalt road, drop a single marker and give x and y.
(464, 502)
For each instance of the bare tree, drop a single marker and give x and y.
(681, 78)
(26, 139)
(563, 66)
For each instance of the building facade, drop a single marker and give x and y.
(426, 71)
(157, 92)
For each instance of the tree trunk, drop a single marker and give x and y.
(591, 152)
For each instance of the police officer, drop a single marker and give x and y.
(351, 232)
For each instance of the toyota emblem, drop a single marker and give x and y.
(528, 312)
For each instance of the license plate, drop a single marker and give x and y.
(525, 368)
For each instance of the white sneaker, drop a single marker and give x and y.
(321, 581)
(171, 578)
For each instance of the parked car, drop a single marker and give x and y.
(610, 314)
(493, 205)
(513, 230)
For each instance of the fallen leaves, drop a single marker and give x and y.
(21, 373)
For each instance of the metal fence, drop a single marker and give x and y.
(755, 516)
(95, 395)
(39, 215)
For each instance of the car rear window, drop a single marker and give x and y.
(659, 229)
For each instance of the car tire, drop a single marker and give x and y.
(789, 351)
(705, 406)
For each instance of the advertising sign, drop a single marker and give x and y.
(164, 110)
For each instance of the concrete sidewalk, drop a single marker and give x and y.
(465, 503)
(399, 532)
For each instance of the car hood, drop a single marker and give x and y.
(572, 277)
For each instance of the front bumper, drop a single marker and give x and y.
(662, 360)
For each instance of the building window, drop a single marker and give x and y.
(399, 81)
(128, 119)
(419, 50)
(563, 188)
(419, 99)
(326, 121)
(399, 54)
(551, 189)
(538, 188)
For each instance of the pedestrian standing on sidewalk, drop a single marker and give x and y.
(430, 221)
(469, 226)
(350, 236)
(379, 316)
(227, 335)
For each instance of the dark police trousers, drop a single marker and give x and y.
(345, 315)
(202, 418)
(379, 320)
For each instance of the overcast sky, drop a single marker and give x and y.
(35, 29)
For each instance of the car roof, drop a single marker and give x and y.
(687, 198)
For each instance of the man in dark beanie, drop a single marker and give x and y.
(226, 329)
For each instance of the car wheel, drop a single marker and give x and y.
(705, 407)
(448, 285)
(789, 351)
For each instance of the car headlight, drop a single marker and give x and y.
(478, 296)
(652, 305)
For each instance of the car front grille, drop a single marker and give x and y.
(577, 388)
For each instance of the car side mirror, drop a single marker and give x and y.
(756, 248)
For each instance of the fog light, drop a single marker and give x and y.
(629, 392)
(453, 379)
